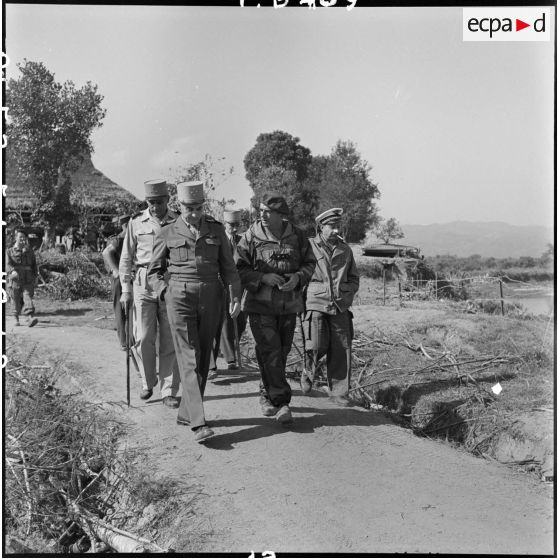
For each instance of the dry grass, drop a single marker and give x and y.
(70, 485)
(437, 375)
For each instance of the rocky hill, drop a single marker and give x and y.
(463, 238)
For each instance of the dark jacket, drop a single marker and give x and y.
(24, 263)
(258, 253)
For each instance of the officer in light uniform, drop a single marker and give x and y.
(328, 322)
(275, 261)
(150, 313)
(225, 340)
(194, 251)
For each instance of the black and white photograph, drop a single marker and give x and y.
(279, 277)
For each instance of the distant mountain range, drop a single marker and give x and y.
(464, 238)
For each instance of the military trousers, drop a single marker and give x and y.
(225, 340)
(195, 310)
(153, 338)
(119, 314)
(273, 335)
(22, 297)
(330, 335)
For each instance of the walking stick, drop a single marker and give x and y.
(303, 341)
(236, 338)
(128, 315)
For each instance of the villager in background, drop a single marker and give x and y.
(194, 251)
(150, 313)
(328, 322)
(275, 261)
(22, 273)
(225, 341)
(111, 256)
(71, 240)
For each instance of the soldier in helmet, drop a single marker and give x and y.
(194, 251)
(275, 261)
(149, 311)
(328, 324)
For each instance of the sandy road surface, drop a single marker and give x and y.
(339, 480)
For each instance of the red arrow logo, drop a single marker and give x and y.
(519, 25)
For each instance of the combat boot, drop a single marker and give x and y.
(268, 408)
(284, 416)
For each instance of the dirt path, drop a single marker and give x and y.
(339, 480)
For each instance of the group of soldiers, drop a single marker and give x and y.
(192, 282)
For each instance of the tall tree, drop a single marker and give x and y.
(280, 163)
(343, 179)
(388, 230)
(49, 127)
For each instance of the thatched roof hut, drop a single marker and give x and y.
(90, 186)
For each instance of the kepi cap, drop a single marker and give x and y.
(156, 188)
(276, 202)
(231, 216)
(332, 215)
(190, 192)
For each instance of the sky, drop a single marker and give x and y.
(453, 130)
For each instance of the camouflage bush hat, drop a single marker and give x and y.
(276, 202)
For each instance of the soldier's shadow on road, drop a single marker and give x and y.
(227, 378)
(65, 312)
(260, 427)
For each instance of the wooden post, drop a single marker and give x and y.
(399, 284)
(384, 281)
(501, 296)
(436, 284)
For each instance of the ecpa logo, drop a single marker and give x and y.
(506, 24)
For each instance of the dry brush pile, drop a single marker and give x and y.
(73, 276)
(70, 486)
(439, 380)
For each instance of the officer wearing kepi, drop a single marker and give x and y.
(328, 322)
(226, 338)
(150, 313)
(275, 261)
(194, 251)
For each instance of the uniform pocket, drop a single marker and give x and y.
(210, 246)
(178, 250)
